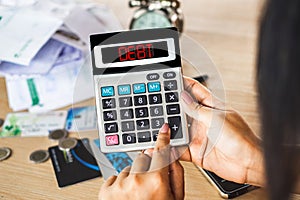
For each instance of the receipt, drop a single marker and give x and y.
(62, 86)
(23, 33)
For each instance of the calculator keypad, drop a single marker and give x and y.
(133, 112)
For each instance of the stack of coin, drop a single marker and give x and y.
(5, 153)
(67, 144)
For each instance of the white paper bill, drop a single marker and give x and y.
(23, 32)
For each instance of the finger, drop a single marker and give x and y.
(200, 92)
(161, 153)
(141, 163)
(177, 179)
(182, 153)
(195, 110)
(109, 181)
(149, 152)
(124, 173)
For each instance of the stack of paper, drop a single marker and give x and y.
(44, 52)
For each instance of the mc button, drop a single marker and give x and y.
(107, 91)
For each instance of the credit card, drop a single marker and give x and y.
(81, 119)
(74, 166)
(112, 163)
(27, 124)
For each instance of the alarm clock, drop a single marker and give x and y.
(156, 14)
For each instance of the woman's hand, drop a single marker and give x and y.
(148, 178)
(221, 141)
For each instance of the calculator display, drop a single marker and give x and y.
(138, 51)
(134, 53)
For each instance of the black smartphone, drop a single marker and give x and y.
(227, 189)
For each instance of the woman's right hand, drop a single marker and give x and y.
(221, 141)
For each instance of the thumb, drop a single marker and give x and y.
(195, 110)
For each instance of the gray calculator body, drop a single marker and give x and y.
(137, 80)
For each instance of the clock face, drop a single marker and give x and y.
(151, 20)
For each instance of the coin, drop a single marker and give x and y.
(1, 122)
(39, 156)
(58, 134)
(5, 153)
(67, 144)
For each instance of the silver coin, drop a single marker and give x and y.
(39, 156)
(5, 153)
(58, 134)
(1, 122)
(67, 144)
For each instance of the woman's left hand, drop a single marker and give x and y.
(148, 178)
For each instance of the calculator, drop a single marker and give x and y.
(138, 80)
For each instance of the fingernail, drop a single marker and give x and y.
(186, 97)
(164, 128)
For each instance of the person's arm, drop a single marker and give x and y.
(221, 141)
(159, 177)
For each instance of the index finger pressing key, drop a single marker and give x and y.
(161, 153)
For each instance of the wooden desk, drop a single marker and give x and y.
(227, 29)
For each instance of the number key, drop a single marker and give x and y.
(142, 124)
(125, 101)
(141, 112)
(140, 100)
(129, 138)
(157, 123)
(156, 111)
(128, 126)
(126, 114)
(155, 98)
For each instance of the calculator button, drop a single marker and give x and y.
(140, 100)
(111, 127)
(139, 88)
(142, 124)
(110, 115)
(144, 136)
(157, 123)
(175, 126)
(154, 87)
(155, 98)
(170, 85)
(156, 111)
(155, 135)
(107, 91)
(152, 77)
(126, 113)
(112, 140)
(169, 75)
(171, 97)
(173, 109)
(128, 126)
(124, 89)
(141, 112)
(108, 103)
(129, 138)
(125, 101)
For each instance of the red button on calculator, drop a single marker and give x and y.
(112, 140)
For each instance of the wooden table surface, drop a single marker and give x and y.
(227, 29)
